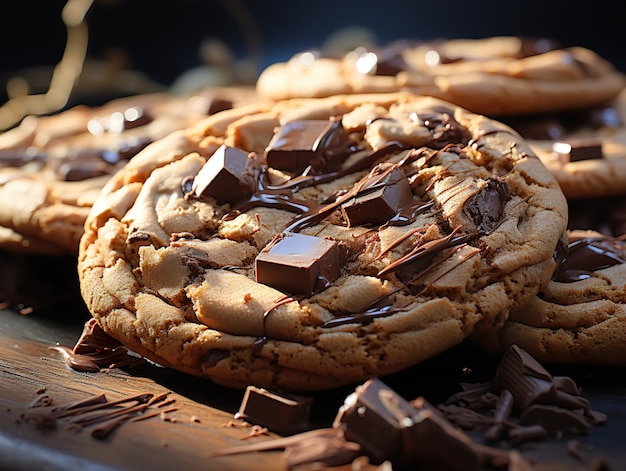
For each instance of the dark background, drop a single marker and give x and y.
(161, 38)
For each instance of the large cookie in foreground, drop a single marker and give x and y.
(580, 316)
(496, 76)
(53, 167)
(315, 243)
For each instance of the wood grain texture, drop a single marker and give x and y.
(185, 441)
(203, 409)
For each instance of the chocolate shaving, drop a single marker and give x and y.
(96, 412)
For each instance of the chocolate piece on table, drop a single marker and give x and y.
(555, 419)
(390, 428)
(379, 203)
(376, 417)
(228, 176)
(298, 263)
(282, 414)
(574, 150)
(321, 144)
(530, 383)
(529, 433)
(119, 121)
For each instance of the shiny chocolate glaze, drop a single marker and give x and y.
(588, 252)
(485, 208)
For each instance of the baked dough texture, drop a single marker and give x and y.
(496, 76)
(602, 171)
(53, 167)
(579, 317)
(171, 270)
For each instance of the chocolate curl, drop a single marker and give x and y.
(504, 406)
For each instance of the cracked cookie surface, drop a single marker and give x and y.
(372, 233)
(53, 167)
(579, 317)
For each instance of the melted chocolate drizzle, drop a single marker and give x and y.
(586, 255)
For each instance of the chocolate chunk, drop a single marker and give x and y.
(219, 104)
(376, 417)
(82, 165)
(280, 413)
(119, 121)
(411, 265)
(390, 428)
(20, 157)
(555, 419)
(435, 443)
(519, 435)
(534, 46)
(228, 176)
(381, 201)
(320, 144)
(531, 384)
(574, 150)
(487, 206)
(387, 61)
(298, 264)
(588, 251)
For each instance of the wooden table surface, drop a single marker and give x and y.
(28, 366)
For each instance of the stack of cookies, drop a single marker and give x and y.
(354, 216)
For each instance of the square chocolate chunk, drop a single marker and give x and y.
(574, 150)
(322, 144)
(278, 412)
(228, 176)
(298, 264)
(379, 203)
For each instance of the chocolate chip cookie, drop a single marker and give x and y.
(495, 76)
(580, 316)
(585, 150)
(53, 167)
(317, 242)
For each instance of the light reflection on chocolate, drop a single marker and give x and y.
(446, 136)
(410, 265)
(587, 252)
(310, 146)
(95, 350)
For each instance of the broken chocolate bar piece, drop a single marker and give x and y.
(321, 144)
(435, 443)
(574, 150)
(298, 263)
(228, 176)
(284, 414)
(376, 417)
(555, 419)
(389, 428)
(379, 203)
(530, 383)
